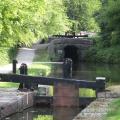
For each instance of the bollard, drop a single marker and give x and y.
(67, 68)
(100, 82)
(24, 71)
(14, 66)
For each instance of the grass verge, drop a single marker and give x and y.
(39, 70)
(85, 92)
(113, 111)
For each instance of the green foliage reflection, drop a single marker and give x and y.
(44, 117)
(39, 70)
(8, 85)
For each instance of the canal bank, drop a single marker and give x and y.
(13, 101)
(98, 109)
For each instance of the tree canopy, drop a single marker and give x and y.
(24, 21)
(109, 22)
(82, 14)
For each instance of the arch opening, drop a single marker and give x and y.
(71, 51)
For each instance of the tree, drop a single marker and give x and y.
(24, 21)
(55, 20)
(82, 14)
(109, 23)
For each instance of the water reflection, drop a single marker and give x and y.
(45, 114)
(65, 113)
(32, 114)
(89, 71)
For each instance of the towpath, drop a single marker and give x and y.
(98, 109)
(25, 55)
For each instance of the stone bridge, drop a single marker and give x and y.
(74, 48)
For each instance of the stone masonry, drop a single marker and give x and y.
(98, 108)
(12, 101)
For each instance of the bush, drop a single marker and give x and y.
(7, 54)
(103, 55)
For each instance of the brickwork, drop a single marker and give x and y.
(66, 95)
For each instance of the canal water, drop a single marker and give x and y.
(83, 71)
(35, 113)
(89, 71)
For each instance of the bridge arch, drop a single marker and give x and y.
(71, 51)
